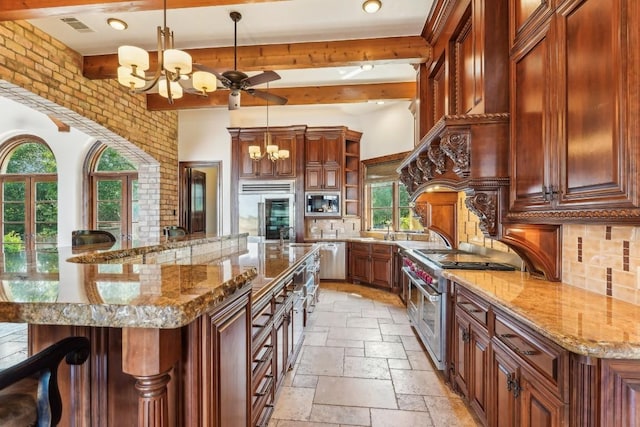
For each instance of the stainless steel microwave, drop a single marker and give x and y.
(322, 204)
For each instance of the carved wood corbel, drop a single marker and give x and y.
(405, 178)
(456, 145)
(425, 165)
(485, 206)
(422, 210)
(438, 157)
(416, 174)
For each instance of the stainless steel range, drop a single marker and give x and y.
(427, 291)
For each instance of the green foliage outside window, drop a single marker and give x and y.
(30, 158)
(111, 160)
(381, 205)
(27, 161)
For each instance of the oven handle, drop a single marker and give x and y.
(422, 286)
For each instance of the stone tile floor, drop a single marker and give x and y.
(13, 344)
(362, 365)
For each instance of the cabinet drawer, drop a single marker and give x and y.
(263, 390)
(261, 321)
(261, 361)
(381, 249)
(471, 305)
(542, 356)
(360, 247)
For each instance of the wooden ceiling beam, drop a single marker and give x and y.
(11, 10)
(289, 56)
(296, 96)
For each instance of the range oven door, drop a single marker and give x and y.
(425, 309)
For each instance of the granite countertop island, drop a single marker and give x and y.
(162, 317)
(162, 285)
(578, 320)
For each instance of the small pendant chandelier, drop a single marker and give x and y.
(271, 150)
(174, 67)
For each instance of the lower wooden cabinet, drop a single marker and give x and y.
(371, 263)
(228, 378)
(470, 353)
(278, 331)
(509, 375)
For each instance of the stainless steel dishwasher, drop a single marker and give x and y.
(332, 261)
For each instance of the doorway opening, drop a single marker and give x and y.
(200, 197)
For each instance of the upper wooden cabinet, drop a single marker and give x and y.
(323, 154)
(574, 127)
(286, 138)
(332, 163)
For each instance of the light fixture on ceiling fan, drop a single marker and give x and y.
(174, 68)
(271, 150)
(237, 81)
(371, 6)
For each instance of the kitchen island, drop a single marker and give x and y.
(170, 325)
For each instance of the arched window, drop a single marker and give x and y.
(114, 194)
(29, 186)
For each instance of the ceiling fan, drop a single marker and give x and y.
(237, 81)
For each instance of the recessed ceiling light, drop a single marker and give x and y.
(380, 102)
(367, 67)
(371, 6)
(117, 24)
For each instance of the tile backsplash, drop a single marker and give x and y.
(602, 258)
(332, 228)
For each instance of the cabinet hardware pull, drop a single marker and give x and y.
(513, 385)
(267, 386)
(528, 352)
(508, 336)
(549, 193)
(465, 336)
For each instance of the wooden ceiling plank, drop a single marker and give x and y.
(296, 95)
(289, 56)
(11, 10)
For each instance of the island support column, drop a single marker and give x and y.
(148, 355)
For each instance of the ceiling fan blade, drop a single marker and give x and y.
(267, 96)
(234, 100)
(264, 77)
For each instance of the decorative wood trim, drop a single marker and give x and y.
(437, 156)
(563, 216)
(456, 144)
(485, 206)
(538, 245)
(585, 390)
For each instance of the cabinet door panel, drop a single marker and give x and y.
(504, 370)
(592, 142)
(538, 407)
(285, 168)
(530, 126)
(230, 377)
(360, 266)
(381, 270)
(331, 178)
(332, 149)
(313, 149)
(478, 370)
(460, 353)
(313, 178)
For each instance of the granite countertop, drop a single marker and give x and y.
(50, 288)
(405, 244)
(580, 321)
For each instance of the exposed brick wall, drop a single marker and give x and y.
(33, 60)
